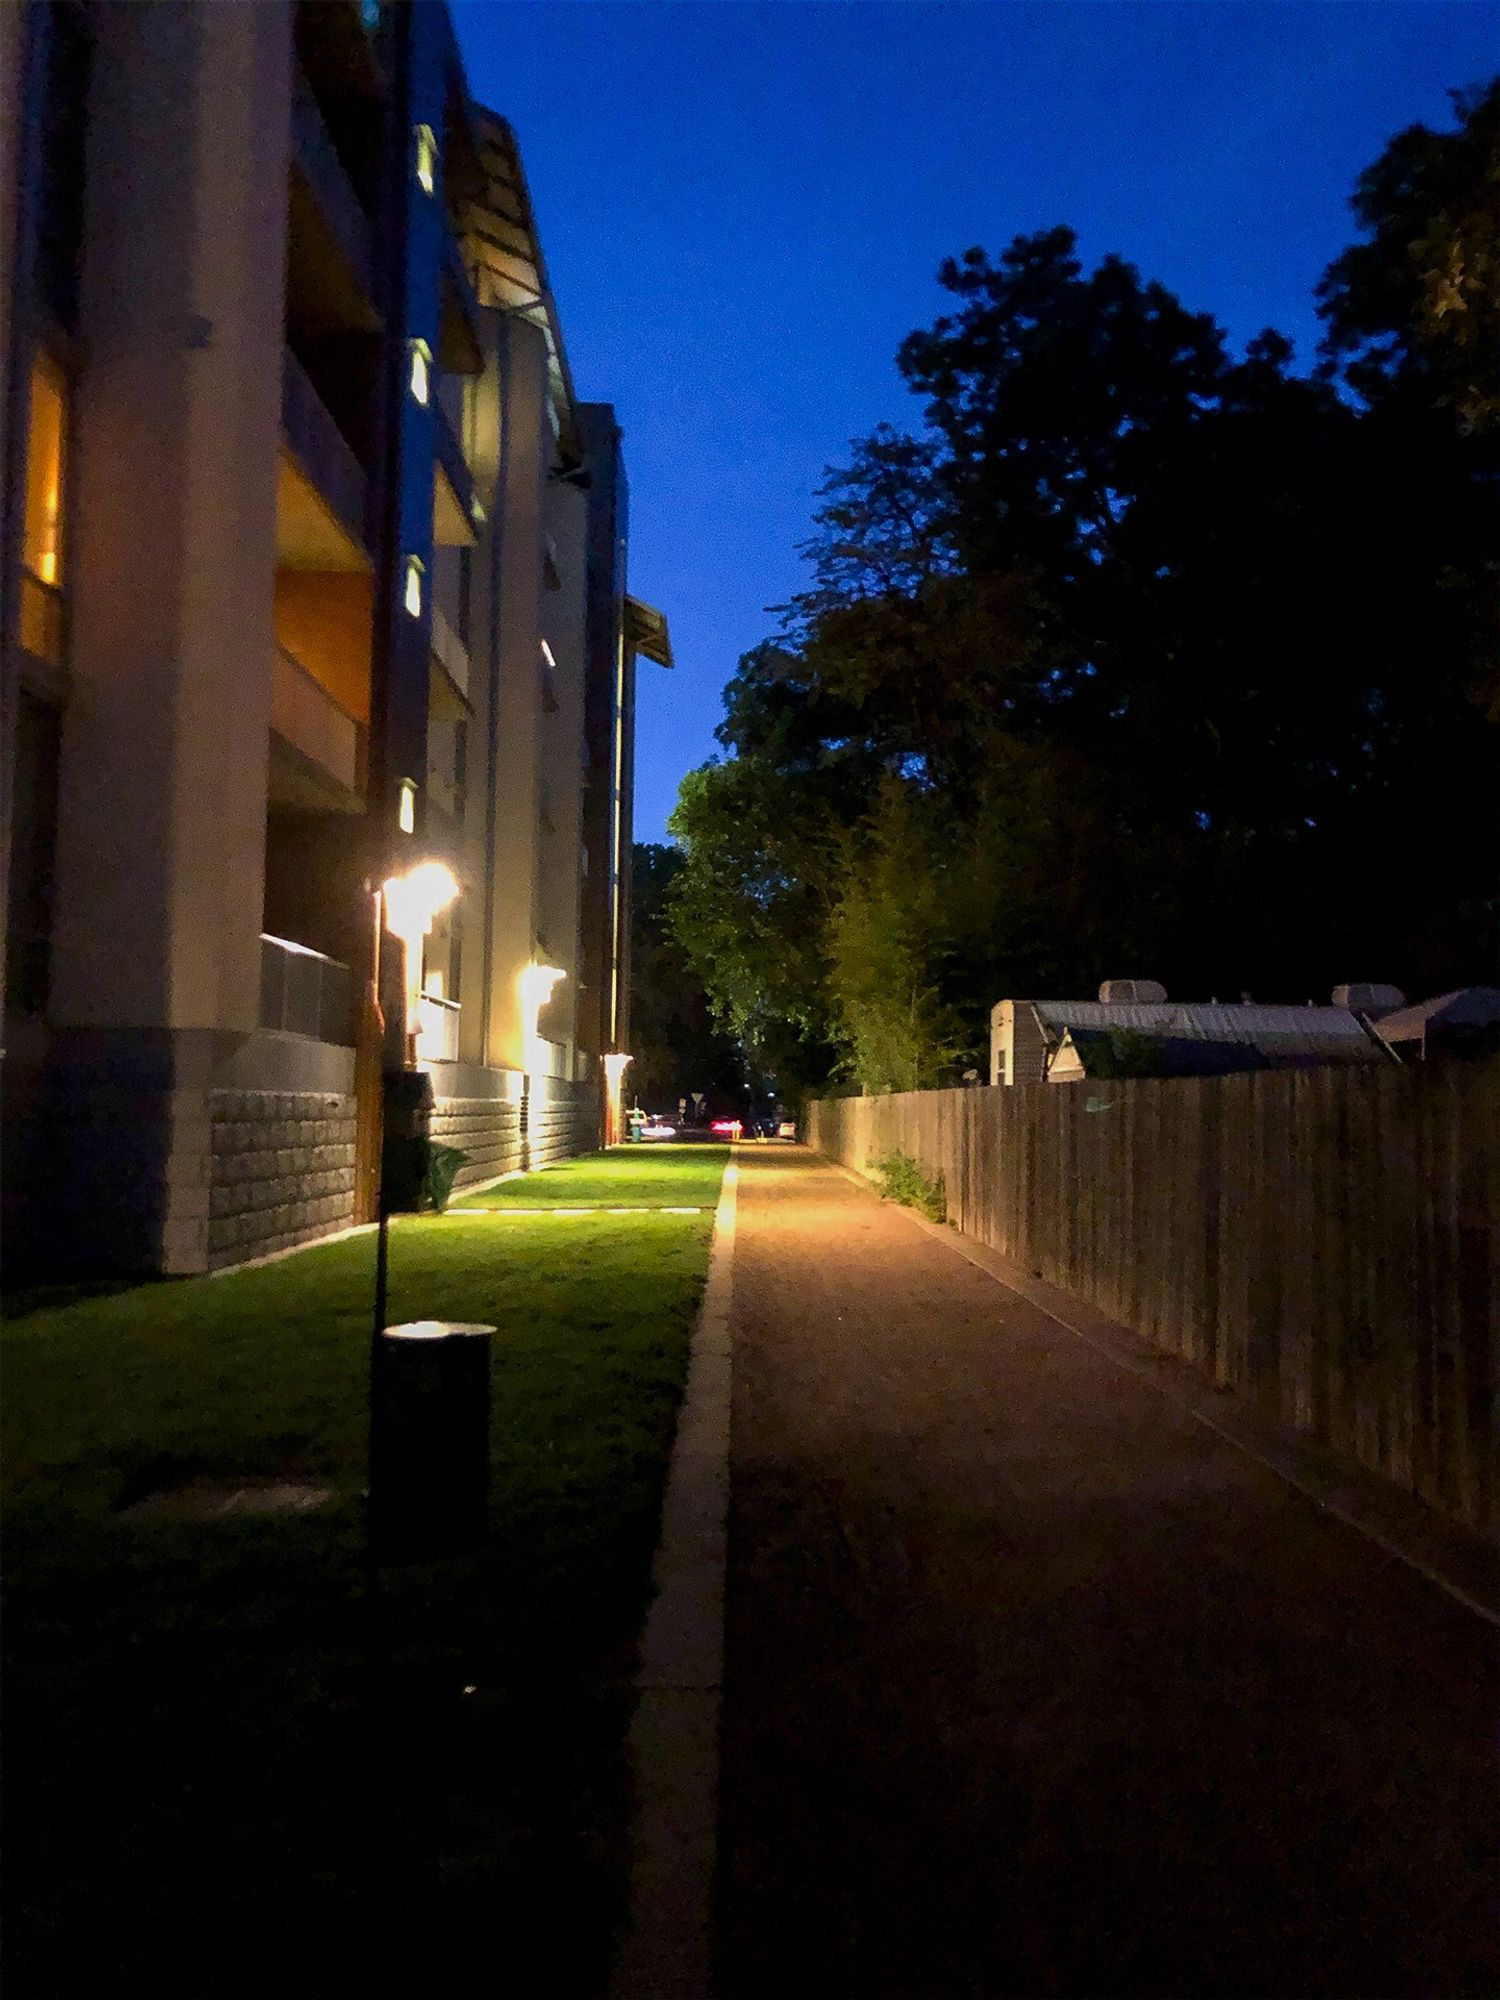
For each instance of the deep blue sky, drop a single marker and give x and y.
(743, 206)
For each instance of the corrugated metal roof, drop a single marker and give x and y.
(1469, 1007)
(1279, 1033)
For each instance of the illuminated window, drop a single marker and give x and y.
(426, 160)
(406, 807)
(421, 370)
(413, 598)
(42, 550)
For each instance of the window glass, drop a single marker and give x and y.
(42, 551)
(42, 542)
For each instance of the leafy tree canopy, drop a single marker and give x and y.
(1138, 657)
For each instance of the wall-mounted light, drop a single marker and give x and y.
(614, 1085)
(411, 901)
(426, 159)
(536, 982)
(549, 658)
(421, 371)
(406, 806)
(412, 597)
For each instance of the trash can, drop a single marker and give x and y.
(429, 1440)
(407, 1104)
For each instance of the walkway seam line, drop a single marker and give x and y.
(953, 1237)
(667, 1951)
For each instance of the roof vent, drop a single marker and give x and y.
(1371, 1000)
(1132, 993)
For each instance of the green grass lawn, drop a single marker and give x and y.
(213, 1785)
(657, 1175)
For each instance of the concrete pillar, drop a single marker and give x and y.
(515, 685)
(163, 782)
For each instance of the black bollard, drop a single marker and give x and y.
(429, 1441)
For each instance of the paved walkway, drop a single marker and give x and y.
(1035, 1686)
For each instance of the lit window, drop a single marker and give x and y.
(421, 370)
(406, 806)
(42, 540)
(413, 597)
(426, 160)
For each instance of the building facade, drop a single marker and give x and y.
(302, 595)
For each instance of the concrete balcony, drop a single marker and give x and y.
(460, 348)
(328, 465)
(453, 523)
(323, 174)
(303, 992)
(437, 1029)
(327, 768)
(452, 653)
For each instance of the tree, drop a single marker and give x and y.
(679, 1049)
(1139, 657)
(1416, 304)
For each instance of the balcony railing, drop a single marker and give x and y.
(305, 715)
(451, 651)
(460, 350)
(437, 1029)
(321, 448)
(455, 467)
(41, 618)
(303, 992)
(323, 170)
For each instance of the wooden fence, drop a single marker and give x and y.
(1323, 1241)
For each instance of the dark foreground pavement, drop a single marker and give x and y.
(1036, 1686)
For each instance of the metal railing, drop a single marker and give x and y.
(327, 176)
(304, 992)
(437, 1029)
(325, 454)
(306, 715)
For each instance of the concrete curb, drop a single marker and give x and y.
(667, 1952)
(1399, 1524)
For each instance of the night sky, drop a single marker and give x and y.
(743, 207)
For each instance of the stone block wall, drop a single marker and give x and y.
(488, 1129)
(281, 1170)
(563, 1121)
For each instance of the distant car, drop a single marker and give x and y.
(727, 1128)
(787, 1129)
(655, 1128)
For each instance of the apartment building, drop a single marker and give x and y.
(315, 596)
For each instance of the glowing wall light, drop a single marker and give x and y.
(614, 1083)
(413, 595)
(421, 371)
(537, 982)
(406, 806)
(426, 160)
(411, 902)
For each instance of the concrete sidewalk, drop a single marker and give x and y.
(1036, 1686)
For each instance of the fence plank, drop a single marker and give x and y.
(1324, 1242)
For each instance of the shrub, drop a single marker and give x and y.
(902, 1179)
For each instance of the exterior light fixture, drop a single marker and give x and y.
(478, 514)
(412, 597)
(426, 159)
(406, 806)
(614, 1084)
(549, 657)
(537, 982)
(410, 902)
(421, 371)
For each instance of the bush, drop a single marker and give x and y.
(443, 1163)
(902, 1179)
